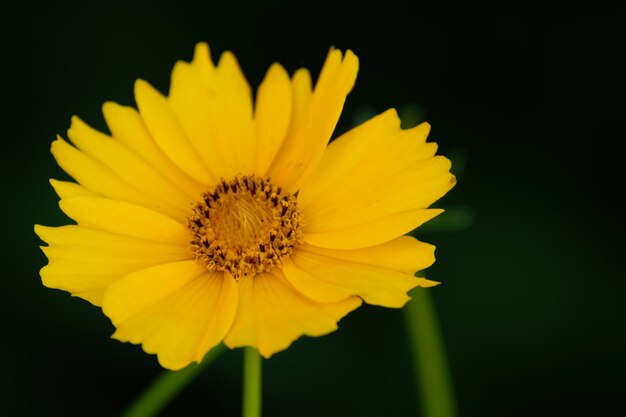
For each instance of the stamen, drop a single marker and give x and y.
(245, 226)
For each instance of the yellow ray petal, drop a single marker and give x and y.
(327, 278)
(167, 132)
(130, 168)
(77, 269)
(233, 110)
(214, 106)
(371, 229)
(243, 331)
(303, 148)
(178, 311)
(126, 126)
(77, 235)
(132, 294)
(93, 296)
(272, 115)
(67, 189)
(272, 314)
(314, 288)
(126, 219)
(192, 90)
(93, 175)
(301, 92)
(377, 178)
(84, 261)
(403, 254)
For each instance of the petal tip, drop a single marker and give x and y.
(427, 283)
(57, 140)
(56, 145)
(108, 106)
(227, 57)
(351, 57)
(75, 120)
(201, 51)
(425, 126)
(40, 231)
(143, 87)
(172, 365)
(277, 70)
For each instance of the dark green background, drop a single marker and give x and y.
(532, 301)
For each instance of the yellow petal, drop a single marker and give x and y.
(315, 288)
(192, 89)
(303, 148)
(233, 109)
(373, 184)
(127, 127)
(320, 275)
(84, 261)
(66, 189)
(272, 314)
(373, 229)
(93, 175)
(244, 331)
(167, 132)
(178, 311)
(132, 294)
(130, 168)
(300, 99)
(272, 115)
(97, 178)
(126, 219)
(93, 296)
(301, 93)
(214, 107)
(403, 254)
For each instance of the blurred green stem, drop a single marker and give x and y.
(429, 358)
(251, 383)
(167, 386)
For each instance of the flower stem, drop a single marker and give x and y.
(167, 386)
(429, 358)
(251, 383)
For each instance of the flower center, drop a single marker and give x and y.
(245, 226)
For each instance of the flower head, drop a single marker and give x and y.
(205, 218)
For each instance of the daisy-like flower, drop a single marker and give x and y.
(205, 218)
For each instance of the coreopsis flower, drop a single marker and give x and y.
(205, 218)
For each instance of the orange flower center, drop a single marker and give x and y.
(245, 226)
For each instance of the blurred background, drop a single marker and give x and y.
(530, 109)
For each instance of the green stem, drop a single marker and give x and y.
(429, 358)
(167, 386)
(251, 383)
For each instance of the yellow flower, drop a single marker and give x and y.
(202, 218)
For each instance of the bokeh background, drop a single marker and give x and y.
(531, 110)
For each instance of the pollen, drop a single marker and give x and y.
(245, 226)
